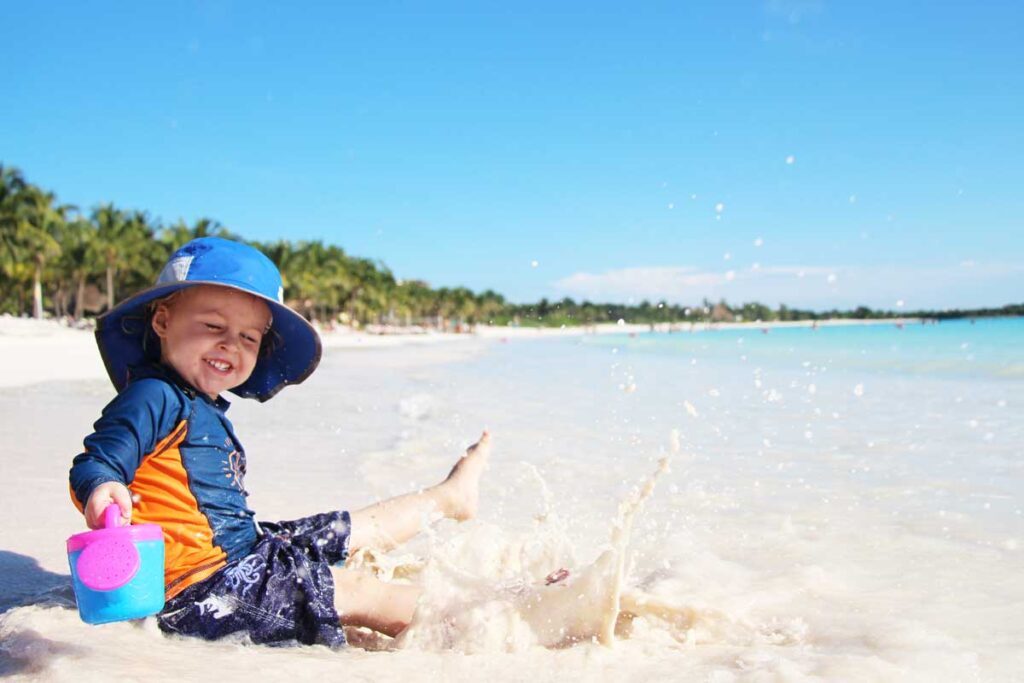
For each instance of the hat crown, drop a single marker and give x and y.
(213, 259)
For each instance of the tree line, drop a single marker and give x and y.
(56, 259)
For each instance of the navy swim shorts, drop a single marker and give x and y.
(281, 593)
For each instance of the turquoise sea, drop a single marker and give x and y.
(983, 348)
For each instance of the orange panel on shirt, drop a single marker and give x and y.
(161, 483)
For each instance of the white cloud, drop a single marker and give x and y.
(813, 286)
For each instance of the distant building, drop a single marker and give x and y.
(721, 314)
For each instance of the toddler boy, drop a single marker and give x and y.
(165, 452)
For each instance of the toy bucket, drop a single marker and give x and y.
(117, 571)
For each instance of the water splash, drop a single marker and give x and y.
(485, 590)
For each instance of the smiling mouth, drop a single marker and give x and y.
(219, 365)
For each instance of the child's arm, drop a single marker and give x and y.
(132, 424)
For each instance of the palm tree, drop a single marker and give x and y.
(310, 272)
(59, 271)
(410, 300)
(124, 241)
(372, 285)
(445, 307)
(144, 254)
(12, 187)
(78, 258)
(41, 221)
(110, 224)
(28, 221)
(489, 305)
(464, 307)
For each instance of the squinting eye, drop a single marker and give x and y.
(251, 340)
(211, 326)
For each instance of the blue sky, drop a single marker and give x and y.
(809, 152)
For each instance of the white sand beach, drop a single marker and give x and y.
(832, 512)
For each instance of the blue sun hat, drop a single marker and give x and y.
(291, 348)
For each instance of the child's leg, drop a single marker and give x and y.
(362, 600)
(558, 614)
(387, 524)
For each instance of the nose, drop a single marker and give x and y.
(227, 341)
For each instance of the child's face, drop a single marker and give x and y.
(211, 336)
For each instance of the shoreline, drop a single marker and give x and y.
(679, 327)
(33, 351)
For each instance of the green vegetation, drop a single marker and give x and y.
(53, 258)
(56, 259)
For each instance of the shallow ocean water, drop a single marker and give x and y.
(845, 503)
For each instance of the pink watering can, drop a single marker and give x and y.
(117, 571)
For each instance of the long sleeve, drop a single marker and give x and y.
(131, 425)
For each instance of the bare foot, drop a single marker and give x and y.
(461, 490)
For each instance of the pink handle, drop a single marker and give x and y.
(112, 516)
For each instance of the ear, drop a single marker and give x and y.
(159, 322)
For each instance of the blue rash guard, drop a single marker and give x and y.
(175, 448)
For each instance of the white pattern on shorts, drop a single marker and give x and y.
(216, 606)
(245, 574)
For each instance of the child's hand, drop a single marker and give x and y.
(101, 497)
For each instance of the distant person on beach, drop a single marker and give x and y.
(165, 453)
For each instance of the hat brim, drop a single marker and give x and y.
(294, 352)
